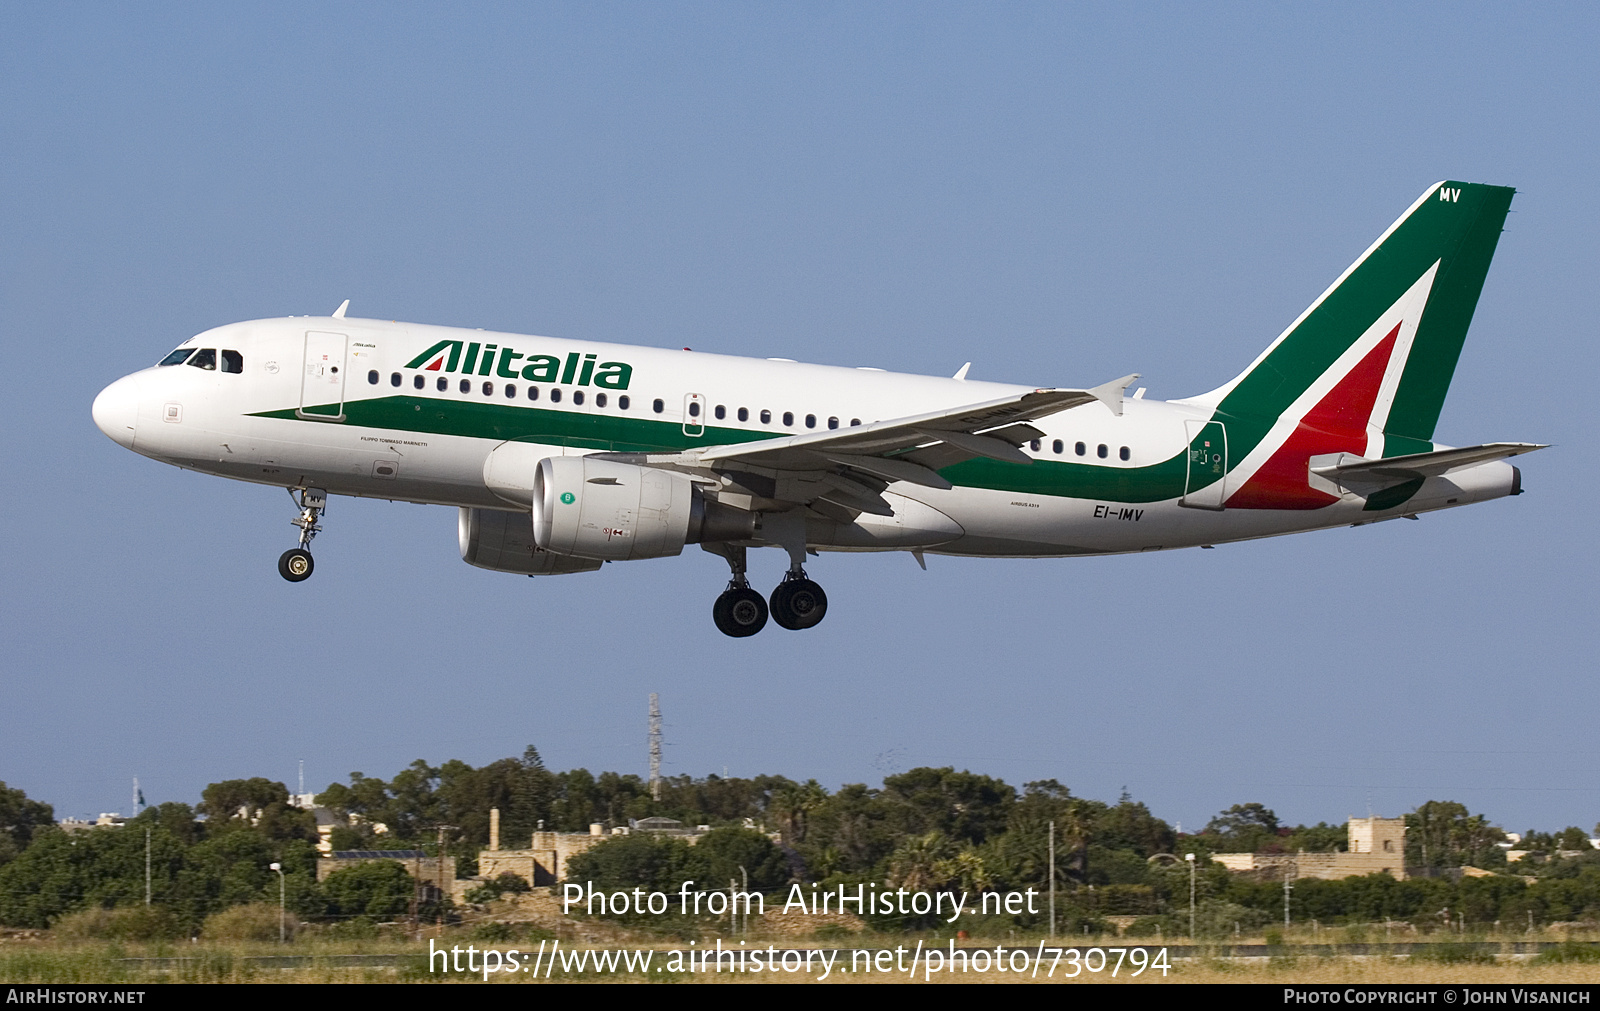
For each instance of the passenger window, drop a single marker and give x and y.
(1079, 449)
(766, 417)
(232, 361)
(511, 391)
(577, 396)
(206, 359)
(599, 400)
(811, 421)
(721, 412)
(833, 422)
(418, 382)
(694, 408)
(555, 396)
(1057, 446)
(466, 386)
(443, 384)
(372, 377)
(658, 406)
(1102, 451)
(744, 414)
(1034, 445)
(788, 419)
(533, 393)
(622, 403)
(177, 357)
(488, 389)
(1124, 453)
(394, 379)
(854, 422)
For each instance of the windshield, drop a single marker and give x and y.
(177, 357)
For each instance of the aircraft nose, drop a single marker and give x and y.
(116, 411)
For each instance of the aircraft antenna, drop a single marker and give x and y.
(655, 747)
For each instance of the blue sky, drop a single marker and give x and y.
(1059, 193)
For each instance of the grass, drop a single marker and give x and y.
(1452, 960)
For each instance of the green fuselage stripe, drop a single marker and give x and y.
(614, 433)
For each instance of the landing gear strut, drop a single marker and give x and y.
(739, 611)
(296, 563)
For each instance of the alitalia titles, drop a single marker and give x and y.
(475, 358)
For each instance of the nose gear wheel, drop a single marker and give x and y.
(296, 564)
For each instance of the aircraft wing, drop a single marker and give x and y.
(1352, 471)
(850, 467)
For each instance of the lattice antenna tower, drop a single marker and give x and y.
(655, 747)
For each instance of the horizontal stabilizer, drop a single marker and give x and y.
(1359, 474)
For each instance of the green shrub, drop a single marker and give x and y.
(1457, 953)
(257, 921)
(125, 923)
(1568, 951)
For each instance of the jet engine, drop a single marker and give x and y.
(615, 511)
(502, 541)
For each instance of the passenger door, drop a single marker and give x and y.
(322, 382)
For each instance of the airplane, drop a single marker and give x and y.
(562, 455)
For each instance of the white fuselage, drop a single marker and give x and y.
(429, 445)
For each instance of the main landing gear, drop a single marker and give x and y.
(296, 563)
(796, 603)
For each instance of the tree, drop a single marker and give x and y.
(1572, 838)
(731, 854)
(962, 805)
(20, 820)
(376, 889)
(1442, 833)
(1243, 828)
(258, 803)
(917, 863)
(642, 860)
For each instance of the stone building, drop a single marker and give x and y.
(545, 860)
(1376, 846)
(419, 864)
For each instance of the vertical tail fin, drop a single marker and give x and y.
(1365, 369)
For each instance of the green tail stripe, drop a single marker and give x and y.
(1461, 235)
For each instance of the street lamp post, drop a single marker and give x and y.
(1190, 857)
(282, 931)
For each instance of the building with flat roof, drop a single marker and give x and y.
(1376, 846)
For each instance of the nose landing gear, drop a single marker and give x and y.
(296, 564)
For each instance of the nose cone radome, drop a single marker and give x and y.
(116, 411)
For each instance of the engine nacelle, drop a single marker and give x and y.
(501, 541)
(617, 511)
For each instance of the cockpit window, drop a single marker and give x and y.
(232, 361)
(206, 358)
(177, 357)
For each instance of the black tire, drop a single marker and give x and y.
(798, 604)
(739, 612)
(295, 565)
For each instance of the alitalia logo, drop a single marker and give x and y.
(473, 358)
